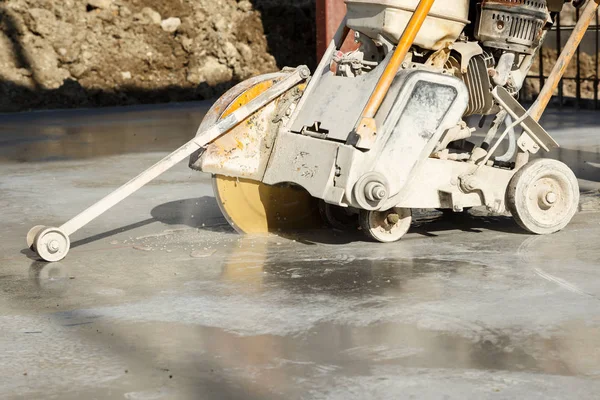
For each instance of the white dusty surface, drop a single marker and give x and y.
(159, 299)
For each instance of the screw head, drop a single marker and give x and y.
(304, 71)
(551, 198)
(53, 246)
(375, 191)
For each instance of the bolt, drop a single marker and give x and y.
(53, 246)
(375, 191)
(551, 197)
(304, 71)
(379, 193)
(393, 219)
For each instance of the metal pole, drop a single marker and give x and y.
(589, 12)
(558, 51)
(578, 66)
(329, 15)
(201, 139)
(596, 62)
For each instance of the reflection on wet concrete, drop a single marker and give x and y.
(161, 299)
(49, 277)
(279, 320)
(83, 134)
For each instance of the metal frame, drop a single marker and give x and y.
(561, 100)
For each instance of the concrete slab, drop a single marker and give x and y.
(159, 298)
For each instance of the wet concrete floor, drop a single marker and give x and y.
(160, 299)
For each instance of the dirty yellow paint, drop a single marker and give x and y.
(253, 207)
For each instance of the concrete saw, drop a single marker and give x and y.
(250, 206)
(384, 129)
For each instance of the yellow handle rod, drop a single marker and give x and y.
(406, 41)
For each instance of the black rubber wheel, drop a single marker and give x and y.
(340, 218)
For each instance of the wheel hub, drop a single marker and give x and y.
(393, 219)
(52, 244)
(386, 226)
(53, 247)
(546, 193)
(551, 197)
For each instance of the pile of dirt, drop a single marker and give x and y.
(87, 53)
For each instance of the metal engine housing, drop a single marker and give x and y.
(515, 25)
(479, 85)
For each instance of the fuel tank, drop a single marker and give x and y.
(388, 18)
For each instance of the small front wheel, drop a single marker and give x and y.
(386, 226)
(543, 196)
(51, 244)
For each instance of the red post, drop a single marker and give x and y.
(330, 14)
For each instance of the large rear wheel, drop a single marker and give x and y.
(543, 196)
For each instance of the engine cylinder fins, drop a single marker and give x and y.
(477, 80)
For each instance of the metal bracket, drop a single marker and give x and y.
(534, 137)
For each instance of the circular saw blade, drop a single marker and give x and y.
(252, 207)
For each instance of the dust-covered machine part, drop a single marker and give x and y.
(478, 83)
(515, 25)
(382, 130)
(387, 19)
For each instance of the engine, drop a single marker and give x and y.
(512, 25)
(509, 33)
(485, 43)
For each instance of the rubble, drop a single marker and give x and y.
(170, 24)
(117, 52)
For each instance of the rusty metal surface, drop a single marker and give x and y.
(512, 25)
(585, 81)
(330, 14)
(246, 149)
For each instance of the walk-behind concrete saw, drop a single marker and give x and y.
(384, 129)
